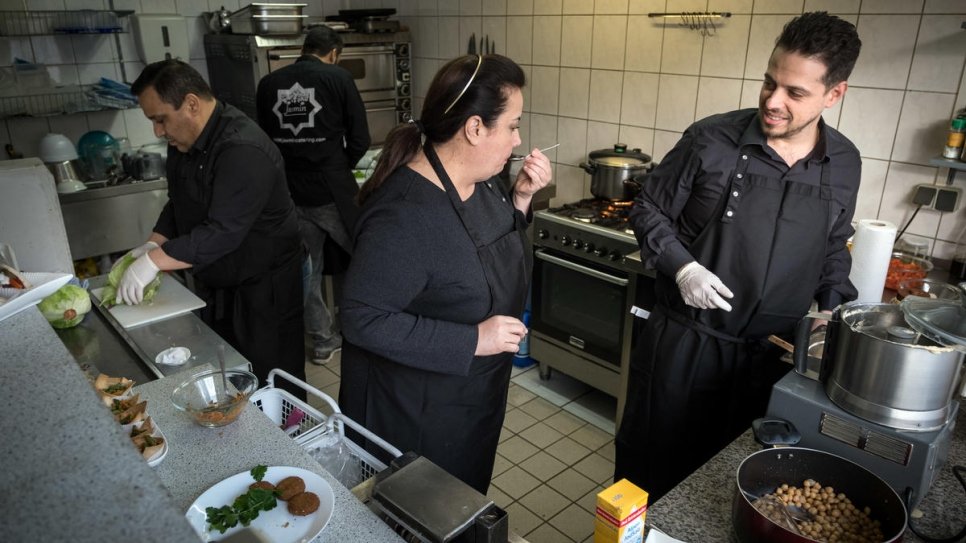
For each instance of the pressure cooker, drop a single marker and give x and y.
(613, 171)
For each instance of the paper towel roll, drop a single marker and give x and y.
(871, 252)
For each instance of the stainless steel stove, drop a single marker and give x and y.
(588, 279)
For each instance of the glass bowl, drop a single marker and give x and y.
(903, 266)
(203, 397)
(927, 288)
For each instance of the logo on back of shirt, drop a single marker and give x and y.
(296, 108)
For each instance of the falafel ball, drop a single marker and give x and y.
(262, 484)
(289, 487)
(303, 504)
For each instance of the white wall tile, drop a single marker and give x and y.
(677, 97)
(601, 135)
(470, 7)
(675, 6)
(681, 52)
(644, 42)
(833, 6)
(424, 69)
(26, 132)
(93, 48)
(494, 7)
(111, 121)
(951, 225)
(572, 134)
(578, 31)
(519, 7)
(608, 48)
(40, 5)
(578, 7)
(196, 37)
(545, 90)
(639, 100)
(570, 185)
(637, 138)
(871, 188)
(543, 133)
(870, 118)
(139, 129)
(944, 6)
(717, 95)
(892, 6)
(131, 71)
(128, 49)
(528, 88)
(547, 7)
(724, 52)
(495, 29)
(448, 8)
(941, 48)
(52, 49)
(471, 27)
(887, 46)
(425, 36)
(833, 115)
(664, 141)
(159, 6)
(764, 30)
(605, 95)
(897, 206)
(201, 66)
(524, 131)
(427, 7)
(734, 6)
(72, 126)
(750, 93)
(610, 7)
(190, 8)
(778, 6)
(546, 40)
(519, 35)
(449, 38)
(65, 74)
(922, 126)
(231, 5)
(575, 92)
(92, 73)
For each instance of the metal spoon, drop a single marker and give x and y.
(221, 362)
(554, 146)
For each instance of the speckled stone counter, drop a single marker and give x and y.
(200, 457)
(69, 473)
(699, 509)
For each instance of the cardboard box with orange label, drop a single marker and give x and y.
(621, 509)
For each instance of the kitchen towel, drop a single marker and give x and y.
(871, 251)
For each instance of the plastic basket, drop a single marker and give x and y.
(280, 405)
(336, 423)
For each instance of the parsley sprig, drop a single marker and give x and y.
(245, 508)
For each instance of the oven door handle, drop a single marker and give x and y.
(619, 281)
(275, 56)
(378, 109)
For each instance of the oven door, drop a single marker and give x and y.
(580, 304)
(373, 67)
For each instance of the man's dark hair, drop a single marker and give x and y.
(172, 80)
(320, 40)
(826, 38)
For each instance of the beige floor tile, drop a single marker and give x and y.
(541, 435)
(545, 502)
(505, 434)
(518, 395)
(516, 449)
(575, 522)
(332, 390)
(564, 422)
(543, 466)
(596, 468)
(546, 533)
(500, 498)
(589, 539)
(568, 451)
(591, 437)
(515, 482)
(522, 520)
(607, 451)
(518, 420)
(500, 465)
(539, 408)
(589, 500)
(572, 484)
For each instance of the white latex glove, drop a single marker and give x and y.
(141, 272)
(137, 252)
(702, 289)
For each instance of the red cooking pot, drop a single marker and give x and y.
(764, 471)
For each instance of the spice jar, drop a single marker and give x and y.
(955, 138)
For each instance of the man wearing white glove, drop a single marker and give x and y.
(137, 276)
(744, 222)
(136, 252)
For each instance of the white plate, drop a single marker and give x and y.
(277, 525)
(44, 284)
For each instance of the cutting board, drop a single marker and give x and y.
(172, 299)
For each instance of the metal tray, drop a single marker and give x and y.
(268, 25)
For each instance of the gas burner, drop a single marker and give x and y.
(584, 214)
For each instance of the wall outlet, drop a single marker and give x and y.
(940, 198)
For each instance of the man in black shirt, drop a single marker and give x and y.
(312, 110)
(746, 222)
(229, 220)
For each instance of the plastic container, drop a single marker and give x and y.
(955, 138)
(522, 357)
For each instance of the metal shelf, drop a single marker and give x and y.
(49, 23)
(57, 101)
(951, 163)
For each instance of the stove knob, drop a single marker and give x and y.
(600, 251)
(578, 244)
(565, 241)
(589, 247)
(614, 256)
(543, 234)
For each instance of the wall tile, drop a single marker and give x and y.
(764, 30)
(664, 141)
(448, 8)
(545, 90)
(524, 131)
(578, 7)
(470, 27)
(887, 47)
(471, 7)
(639, 100)
(547, 7)
(778, 6)
(92, 48)
(870, 188)
(423, 71)
(610, 7)
(644, 44)
(495, 29)
(570, 185)
(601, 135)
(131, 70)
(13, 48)
(201, 66)
(92, 73)
(833, 115)
(676, 6)
(575, 93)
(231, 5)
(716, 95)
(892, 6)
(951, 225)
(159, 6)
(577, 32)
(543, 133)
(750, 92)
(129, 50)
(52, 49)
(922, 126)
(724, 52)
(528, 89)
(944, 6)
(196, 37)
(72, 126)
(546, 40)
(734, 6)
(26, 132)
(897, 206)
(646, 6)
(519, 7)
(572, 135)
(425, 37)
(637, 138)
(605, 95)
(870, 118)
(940, 50)
(519, 35)
(677, 96)
(35, 5)
(494, 7)
(111, 122)
(449, 38)
(405, 8)
(608, 47)
(681, 52)
(427, 7)
(190, 8)
(139, 130)
(833, 6)
(64, 74)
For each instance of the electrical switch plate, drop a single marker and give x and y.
(924, 195)
(160, 37)
(940, 198)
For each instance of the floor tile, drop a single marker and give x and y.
(322, 377)
(564, 422)
(518, 395)
(522, 520)
(332, 391)
(559, 390)
(500, 465)
(591, 437)
(505, 434)
(589, 500)
(541, 435)
(568, 451)
(543, 466)
(516, 449)
(518, 420)
(546, 533)
(607, 451)
(572, 484)
(575, 522)
(515, 482)
(545, 502)
(539, 408)
(596, 468)
(500, 498)
(584, 413)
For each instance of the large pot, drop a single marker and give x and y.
(764, 471)
(610, 168)
(874, 367)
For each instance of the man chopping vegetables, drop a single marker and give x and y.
(746, 222)
(229, 220)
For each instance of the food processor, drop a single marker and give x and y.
(59, 155)
(100, 155)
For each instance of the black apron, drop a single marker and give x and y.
(452, 420)
(699, 377)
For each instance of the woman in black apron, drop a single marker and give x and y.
(440, 273)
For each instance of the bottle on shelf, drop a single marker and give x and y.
(955, 138)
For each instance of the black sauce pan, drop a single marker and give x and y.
(762, 472)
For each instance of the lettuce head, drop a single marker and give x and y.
(109, 294)
(66, 307)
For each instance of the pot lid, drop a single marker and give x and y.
(941, 320)
(619, 161)
(620, 157)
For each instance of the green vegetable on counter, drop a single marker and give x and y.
(109, 294)
(66, 307)
(245, 508)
